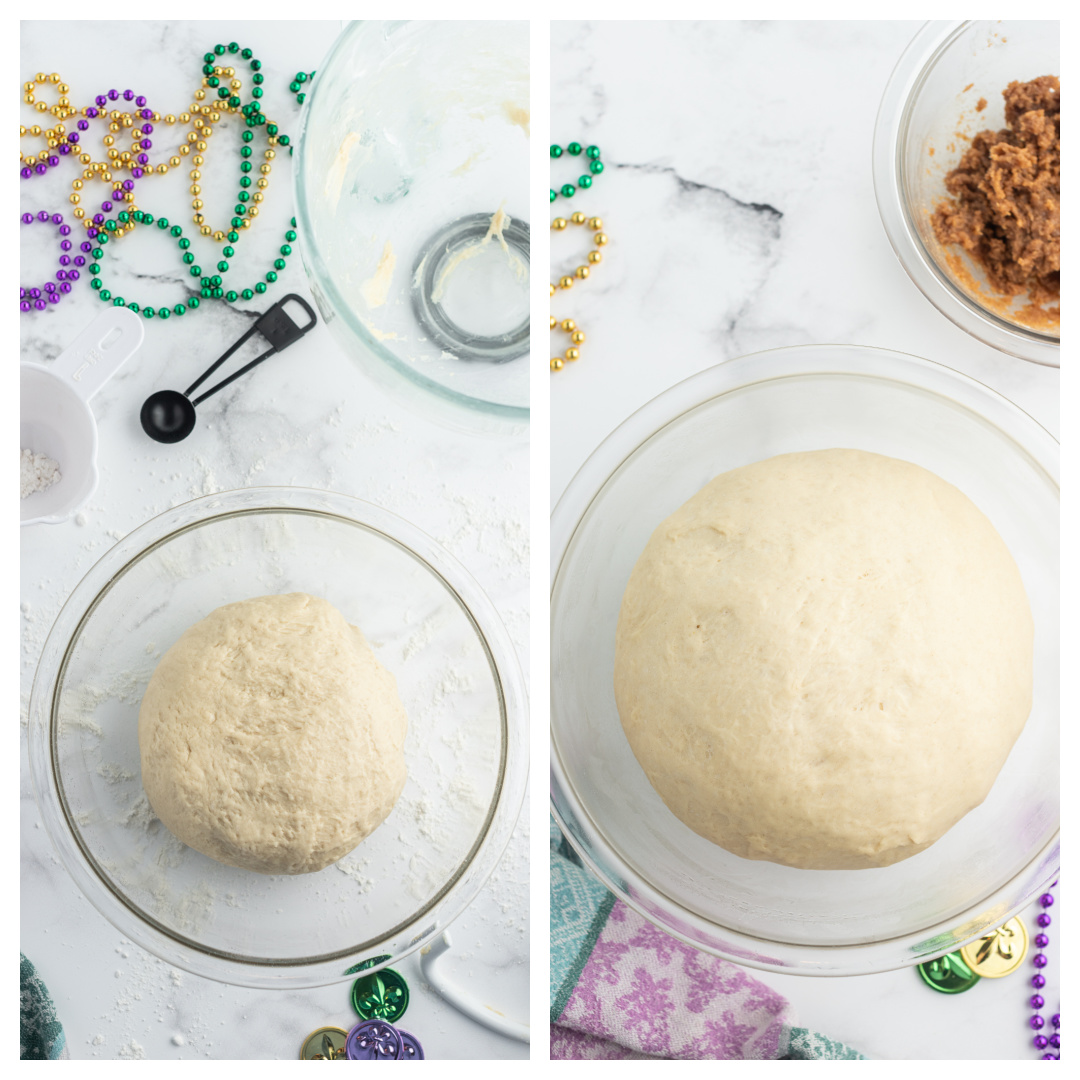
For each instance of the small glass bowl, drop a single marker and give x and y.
(466, 750)
(414, 137)
(927, 112)
(814, 922)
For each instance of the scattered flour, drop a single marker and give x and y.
(113, 773)
(453, 682)
(37, 472)
(479, 528)
(131, 1049)
(500, 535)
(352, 867)
(144, 992)
(207, 483)
(422, 637)
(427, 819)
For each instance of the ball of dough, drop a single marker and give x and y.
(823, 659)
(270, 736)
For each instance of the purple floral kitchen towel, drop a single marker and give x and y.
(621, 988)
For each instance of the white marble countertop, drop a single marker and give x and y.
(739, 202)
(306, 418)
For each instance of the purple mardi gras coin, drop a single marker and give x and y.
(411, 1050)
(374, 1040)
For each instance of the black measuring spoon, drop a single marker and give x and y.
(169, 416)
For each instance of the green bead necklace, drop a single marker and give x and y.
(226, 90)
(297, 85)
(211, 287)
(596, 167)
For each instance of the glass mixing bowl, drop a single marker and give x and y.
(761, 914)
(927, 112)
(466, 751)
(412, 196)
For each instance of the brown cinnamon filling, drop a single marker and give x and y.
(1005, 209)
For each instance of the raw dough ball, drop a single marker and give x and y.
(270, 736)
(823, 659)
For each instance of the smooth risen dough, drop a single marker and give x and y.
(823, 659)
(270, 736)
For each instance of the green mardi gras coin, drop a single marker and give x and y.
(948, 974)
(382, 995)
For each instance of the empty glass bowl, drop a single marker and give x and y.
(838, 922)
(927, 112)
(412, 197)
(466, 750)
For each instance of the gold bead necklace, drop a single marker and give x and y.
(577, 336)
(201, 116)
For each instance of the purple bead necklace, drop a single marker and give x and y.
(38, 299)
(141, 143)
(1052, 1043)
(140, 160)
(42, 167)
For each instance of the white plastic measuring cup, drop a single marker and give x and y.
(55, 417)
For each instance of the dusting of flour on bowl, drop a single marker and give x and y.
(446, 797)
(37, 472)
(352, 867)
(422, 637)
(450, 764)
(152, 1003)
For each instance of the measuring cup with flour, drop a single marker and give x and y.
(55, 418)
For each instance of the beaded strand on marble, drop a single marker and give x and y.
(600, 239)
(35, 299)
(222, 86)
(1051, 1043)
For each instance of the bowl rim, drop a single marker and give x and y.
(465, 409)
(908, 76)
(568, 810)
(412, 932)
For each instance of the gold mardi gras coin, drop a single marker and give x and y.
(998, 953)
(324, 1044)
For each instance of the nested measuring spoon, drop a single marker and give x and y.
(169, 416)
(55, 417)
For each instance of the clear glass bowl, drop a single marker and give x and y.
(928, 108)
(757, 913)
(466, 751)
(414, 137)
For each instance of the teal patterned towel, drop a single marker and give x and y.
(621, 988)
(41, 1038)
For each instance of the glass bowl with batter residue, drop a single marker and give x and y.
(412, 196)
